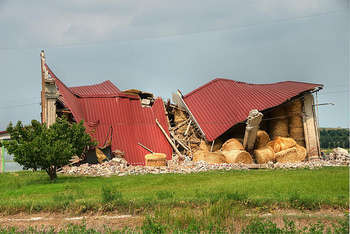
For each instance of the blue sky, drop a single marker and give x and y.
(162, 46)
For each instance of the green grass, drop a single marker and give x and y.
(262, 189)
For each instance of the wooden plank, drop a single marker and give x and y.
(169, 140)
(310, 127)
(177, 98)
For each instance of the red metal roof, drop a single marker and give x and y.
(3, 132)
(131, 123)
(104, 89)
(222, 103)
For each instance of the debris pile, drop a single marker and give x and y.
(118, 166)
(339, 154)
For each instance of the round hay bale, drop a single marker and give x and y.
(209, 157)
(238, 156)
(217, 145)
(301, 152)
(264, 154)
(295, 106)
(262, 138)
(156, 159)
(287, 156)
(232, 144)
(199, 155)
(295, 121)
(281, 143)
(296, 133)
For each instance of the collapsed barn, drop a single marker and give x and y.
(223, 121)
(222, 109)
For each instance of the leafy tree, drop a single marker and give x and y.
(37, 146)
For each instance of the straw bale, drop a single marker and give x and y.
(209, 157)
(232, 144)
(217, 145)
(238, 156)
(295, 121)
(156, 159)
(281, 143)
(295, 106)
(278, 112)
(262, 138)
(301, 142)
(301, 152)
(278, 127)
(264, 154)
(296, 133)
(287, 156)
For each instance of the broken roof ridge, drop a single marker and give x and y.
(246, 83)
(73, 90)
(56, 78)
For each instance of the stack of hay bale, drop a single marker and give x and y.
(232, 151)
(281, 149)
(278, 125)
(295, 121)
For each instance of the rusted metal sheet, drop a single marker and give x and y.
(222, 103)
(131, 123)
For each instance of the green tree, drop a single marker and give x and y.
(37, 146)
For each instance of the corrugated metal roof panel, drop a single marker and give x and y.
(104, 89)
(222, 103)
(131, 123)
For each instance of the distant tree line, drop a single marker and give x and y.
(334, 137)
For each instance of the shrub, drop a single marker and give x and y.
(37, 146)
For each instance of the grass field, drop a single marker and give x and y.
(301, 188)
(203, 200)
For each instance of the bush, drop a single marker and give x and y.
(37, 146)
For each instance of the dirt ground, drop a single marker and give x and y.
(115, 221)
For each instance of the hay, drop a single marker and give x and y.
(264, 154)
(301, 142)
(301, 153)
(179, 116)
(155, 160)
(232, 144)
(203, 146)
(278, 112)
(209, 157)
(281, 143)
(296, 133)
(278, 127)
(237, 156)
(295, 106)
(262, 138)
(287, 156)
(295, 121)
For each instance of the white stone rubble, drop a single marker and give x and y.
(119, 166)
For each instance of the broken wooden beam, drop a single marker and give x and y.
(169, 140)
